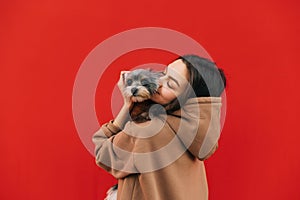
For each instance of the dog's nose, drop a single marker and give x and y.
(134, 91)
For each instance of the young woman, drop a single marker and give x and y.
(162, 158)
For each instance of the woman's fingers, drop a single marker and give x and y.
(121, 82)
(121, 85)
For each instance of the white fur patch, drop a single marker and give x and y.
(111, 194)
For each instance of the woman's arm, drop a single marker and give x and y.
(113, 150)
(110, 141)
(123, 116)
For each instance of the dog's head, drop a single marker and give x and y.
(141, 84)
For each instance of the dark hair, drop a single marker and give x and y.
(205, 78)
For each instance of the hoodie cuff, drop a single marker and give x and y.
(110, 129)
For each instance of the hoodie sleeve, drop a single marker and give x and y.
(143, 147)
(113, 151)
(199, 126)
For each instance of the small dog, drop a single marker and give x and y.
(139, 85)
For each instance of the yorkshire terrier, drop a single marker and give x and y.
(139, 85)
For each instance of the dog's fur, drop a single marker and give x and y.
(139, 85)
(111, 194)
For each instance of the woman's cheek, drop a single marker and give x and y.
(168, 95)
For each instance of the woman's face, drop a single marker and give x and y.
(173, 83)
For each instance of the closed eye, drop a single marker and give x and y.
(171, 85)
(144, 82)
(171, 78)
(172, 82)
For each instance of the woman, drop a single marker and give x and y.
(163, 158)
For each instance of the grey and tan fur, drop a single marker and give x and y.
(141, 84)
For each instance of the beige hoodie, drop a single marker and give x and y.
(163, 158)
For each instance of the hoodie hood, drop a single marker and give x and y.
(198, 125)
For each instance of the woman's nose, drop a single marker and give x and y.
(160, 82)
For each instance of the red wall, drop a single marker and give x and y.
(43, 44)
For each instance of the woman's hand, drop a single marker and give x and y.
(123, 116)
(121, 84)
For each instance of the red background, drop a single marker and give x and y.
(43, 44)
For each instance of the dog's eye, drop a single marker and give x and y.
(129, 82)
(144, 82)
